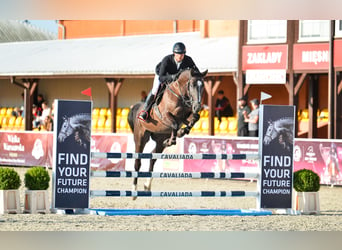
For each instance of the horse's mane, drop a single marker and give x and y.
(284, 122)
(195, 72)
(82, 118)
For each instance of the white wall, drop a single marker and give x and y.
(71, 89)
(10, 94)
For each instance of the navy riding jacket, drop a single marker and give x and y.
(168, 67)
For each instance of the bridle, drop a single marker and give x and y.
(187, 100)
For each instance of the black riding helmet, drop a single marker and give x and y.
(179, 48)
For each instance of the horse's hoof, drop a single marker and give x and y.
(134, 198)
(181, 132)
(166, 143)
(147, 188)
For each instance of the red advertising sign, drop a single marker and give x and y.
(108, 143)
(220, 146)
(323, 157)
(338, 53)
(311, 56)
(264, 57)
(26, 148)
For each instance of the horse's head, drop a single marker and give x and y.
(271, 133)
(195, 89)
(66, 130)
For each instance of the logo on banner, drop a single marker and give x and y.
(38, 151)
(310, 155)
(192, 148)
(297, 153)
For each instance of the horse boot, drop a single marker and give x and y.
(143, 115)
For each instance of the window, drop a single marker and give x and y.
(338, 28)
(266, 31)
(313, 30)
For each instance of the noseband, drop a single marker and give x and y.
(187, 100)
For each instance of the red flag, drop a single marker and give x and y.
(87, 92)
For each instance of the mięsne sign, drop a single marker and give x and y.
(71, 154)
(276, 128)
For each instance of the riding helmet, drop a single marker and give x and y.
(179, 48)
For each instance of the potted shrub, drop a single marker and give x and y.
(9, 191)
(306, 184)
(36, 181)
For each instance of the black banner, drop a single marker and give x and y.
(276, 124)
(71, 154)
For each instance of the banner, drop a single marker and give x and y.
(108, 143)
(71, 154)
(215, 145)
(322, 156)
(26, 148)
(276, 128)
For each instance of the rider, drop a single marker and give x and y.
(166, 71)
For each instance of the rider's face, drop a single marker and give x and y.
(178, 57)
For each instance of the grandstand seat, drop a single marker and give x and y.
(109, 113)
(95, 112)
(324, 113)
(204, 125)
(123, 124)
(103, 112)
(204, 113)
(3, 111)
(232, 125)
(9, 112)
(100, 124)
(108, 126)
(18, 121)
(305, 114)
(94, 124)
(197, 127)
(118, 111)
(11, 122)
(4, 123)
(124, 112)
(223, 128)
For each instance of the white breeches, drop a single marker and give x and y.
(156, 84)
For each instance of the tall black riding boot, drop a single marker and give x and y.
(147, 107)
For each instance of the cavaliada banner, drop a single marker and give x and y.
(276, 125)
(72, 146)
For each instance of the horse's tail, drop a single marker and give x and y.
(132, 114)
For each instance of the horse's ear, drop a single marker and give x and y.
(192, 71)
(204, 73)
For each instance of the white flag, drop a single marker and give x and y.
(264, 96)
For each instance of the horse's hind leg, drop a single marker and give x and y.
(158, 149)
(140, 142)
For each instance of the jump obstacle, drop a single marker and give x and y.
(168, 175)
(222, 175)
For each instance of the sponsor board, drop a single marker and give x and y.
(276, 141)
(71, 162)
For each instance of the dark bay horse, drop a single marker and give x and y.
(179, 105)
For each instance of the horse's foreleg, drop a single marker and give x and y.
(183, 131)
(158, 149)
(137, 165)
(148, 183)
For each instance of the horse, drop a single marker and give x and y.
(79, 125)
(281, 126)
(179, 105)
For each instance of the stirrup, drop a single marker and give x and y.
(141, 117)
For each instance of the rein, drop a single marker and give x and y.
(189, 102)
